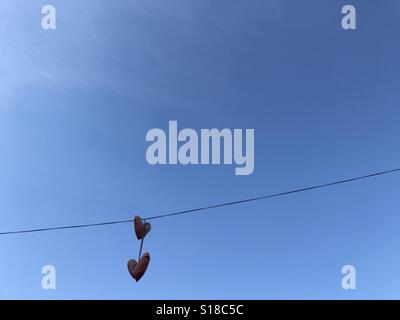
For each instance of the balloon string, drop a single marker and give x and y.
(141, 242)
(140, 250)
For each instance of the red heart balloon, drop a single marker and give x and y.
(137, 269)
(141, 229)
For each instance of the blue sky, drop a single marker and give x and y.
(76, 104)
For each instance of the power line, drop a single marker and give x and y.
(277, 194)
(329, 184)
(66, 227)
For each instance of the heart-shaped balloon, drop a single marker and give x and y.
(141, 229)
(137, 269)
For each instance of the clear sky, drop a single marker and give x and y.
(76, 104)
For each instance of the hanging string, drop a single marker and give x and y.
(140, 250)
(141, 242)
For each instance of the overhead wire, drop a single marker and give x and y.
(225, 204)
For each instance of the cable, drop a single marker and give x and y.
(209, 207)
(276, 194)
(66, 227)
